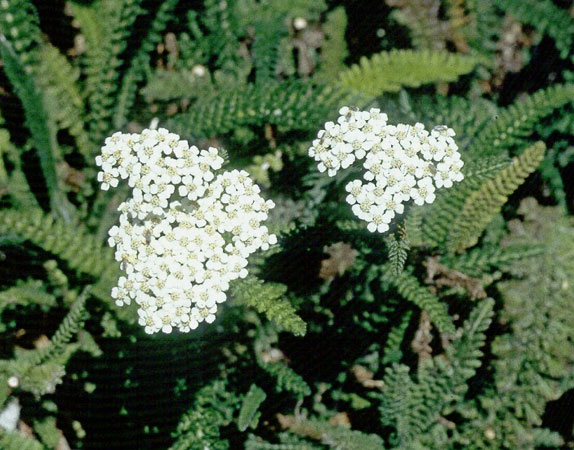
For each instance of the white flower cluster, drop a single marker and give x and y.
(186, 231)
(402, 162)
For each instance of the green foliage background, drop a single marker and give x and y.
(453, 330)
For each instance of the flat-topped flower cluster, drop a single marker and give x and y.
(186, 231)
(401, 162)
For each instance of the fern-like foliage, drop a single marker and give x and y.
(81, 251)
(482, 260)
(14, 440)
(414, 406)
(286, 379)
(140, 62)
(213, 407)
(546, 18)
(43, 378)
(223, 33)
(167, 85)
(413, 225)
(391, 71)
(484, 31)
(26, 293)
(105, 41)
(48, 432)
(558, 157)
(67, 329)
(436, 224)
(40, 370)
(59, 82)
(268, 298)
(481, 206)
(268, 35)
(465, 116)
(248, 414)
(41, 127)
(19, 22)
(408, 287)
(533, 362)
(95, 63)
(249, 11)
(339, 437)
(4, 390)
(398, 252)
(519, 120)
(392, 352)
(13, 183)
(334, 49)
(289, 105)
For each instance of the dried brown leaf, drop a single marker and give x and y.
(42, 342)
(25, 429)
(510, 55)
(72, 177)
(423, 337)
(442, 276)
(272, 354)
(428, 29)
(365, 377)
(296, 426)
(305, 429)
(340, 419)
(341, 257)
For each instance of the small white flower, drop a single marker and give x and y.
(199, 71)
(424, 192)
(172, 240)
(354, 188)
(205, 313)
(150, 320)
(299, 23)
(401, 162)
(380, 220)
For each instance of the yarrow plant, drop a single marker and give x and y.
(186, 231)
(402, 162)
